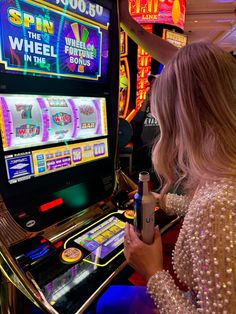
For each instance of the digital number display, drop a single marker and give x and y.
(82, 7)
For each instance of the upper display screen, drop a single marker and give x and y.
(54, 38)
(27, 121)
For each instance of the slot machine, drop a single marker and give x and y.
(60, 234)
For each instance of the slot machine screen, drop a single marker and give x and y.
(58, 106)
(28, 122)
(54, 38)
(59, 93)
(55, 150)
(104, 238)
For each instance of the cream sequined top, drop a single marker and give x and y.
(204, 257)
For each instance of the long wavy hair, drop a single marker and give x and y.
(194, 100)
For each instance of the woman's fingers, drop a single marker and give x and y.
(131, 194)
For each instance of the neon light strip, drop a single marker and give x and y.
(6, 123)
(144, 67)
(52, 204)
(102, 265)
(5, 274)
(127, 72)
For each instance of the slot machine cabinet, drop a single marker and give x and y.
(60, 233)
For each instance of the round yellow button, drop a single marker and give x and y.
(129, 213)
(71, 255)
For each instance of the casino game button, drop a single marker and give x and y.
(129, 213)
(71, 255)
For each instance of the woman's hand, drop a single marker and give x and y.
(155, 195)
(131, 194)
(159, 202)
(158, 48)
(146, 259)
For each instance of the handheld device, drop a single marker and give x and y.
(144, 204)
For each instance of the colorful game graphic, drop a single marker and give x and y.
(104, 238)
(27, 121)
(56, 288)
(170, 12)
(19, 166)
(83, 56)
(60, 118)
(47, 38)
(92, 115)
(21, 121)
(176, 39)
(23, 166)
(61, 157)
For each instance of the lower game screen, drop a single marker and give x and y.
(99, 241)
(104, 238)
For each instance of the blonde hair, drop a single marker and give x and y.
(194, 100)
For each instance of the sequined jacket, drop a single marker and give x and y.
(204, 257)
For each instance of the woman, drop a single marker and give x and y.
(194, 101)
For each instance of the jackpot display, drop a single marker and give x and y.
(54, 38)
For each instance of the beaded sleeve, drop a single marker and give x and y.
(176, 204)
(209, 236)
(167, 297)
